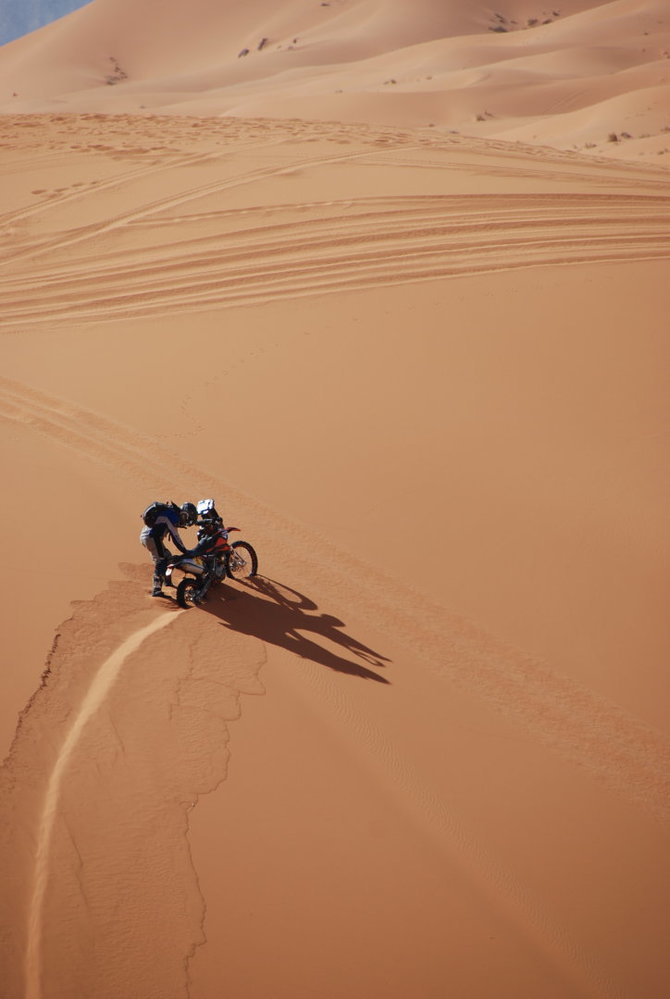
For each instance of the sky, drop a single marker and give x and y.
(18, 17)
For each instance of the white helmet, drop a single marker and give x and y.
(205, 506)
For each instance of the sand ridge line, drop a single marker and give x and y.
(614, 747)
(191, 128)
(124, 127)
(97, 692)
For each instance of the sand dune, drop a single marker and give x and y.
(517, 73)
(425, 751)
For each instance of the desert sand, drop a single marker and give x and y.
(412, 337)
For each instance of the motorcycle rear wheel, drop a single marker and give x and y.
(242, 561)
(187, 592)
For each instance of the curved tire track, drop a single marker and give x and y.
(361, 245)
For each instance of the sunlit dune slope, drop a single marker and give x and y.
(426, 749)
(591, 76)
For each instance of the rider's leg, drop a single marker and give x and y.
(157, 551)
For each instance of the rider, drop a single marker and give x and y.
(169, 517)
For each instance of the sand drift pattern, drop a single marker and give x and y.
(227, 258)
(100, 687)
(129, 727)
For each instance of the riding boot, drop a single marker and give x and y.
(157, 583)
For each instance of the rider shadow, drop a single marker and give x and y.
(279, 615)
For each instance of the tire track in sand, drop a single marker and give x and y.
(358, 244)
(147, 210)
(174, 160)
(97, 692)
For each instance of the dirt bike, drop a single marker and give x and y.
(235, 561)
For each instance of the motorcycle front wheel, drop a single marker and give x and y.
(242, 561)
(187, 592)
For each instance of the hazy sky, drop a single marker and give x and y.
(18, 17)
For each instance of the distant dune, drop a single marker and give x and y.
(581, 75)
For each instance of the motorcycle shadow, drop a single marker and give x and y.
(279, 615)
